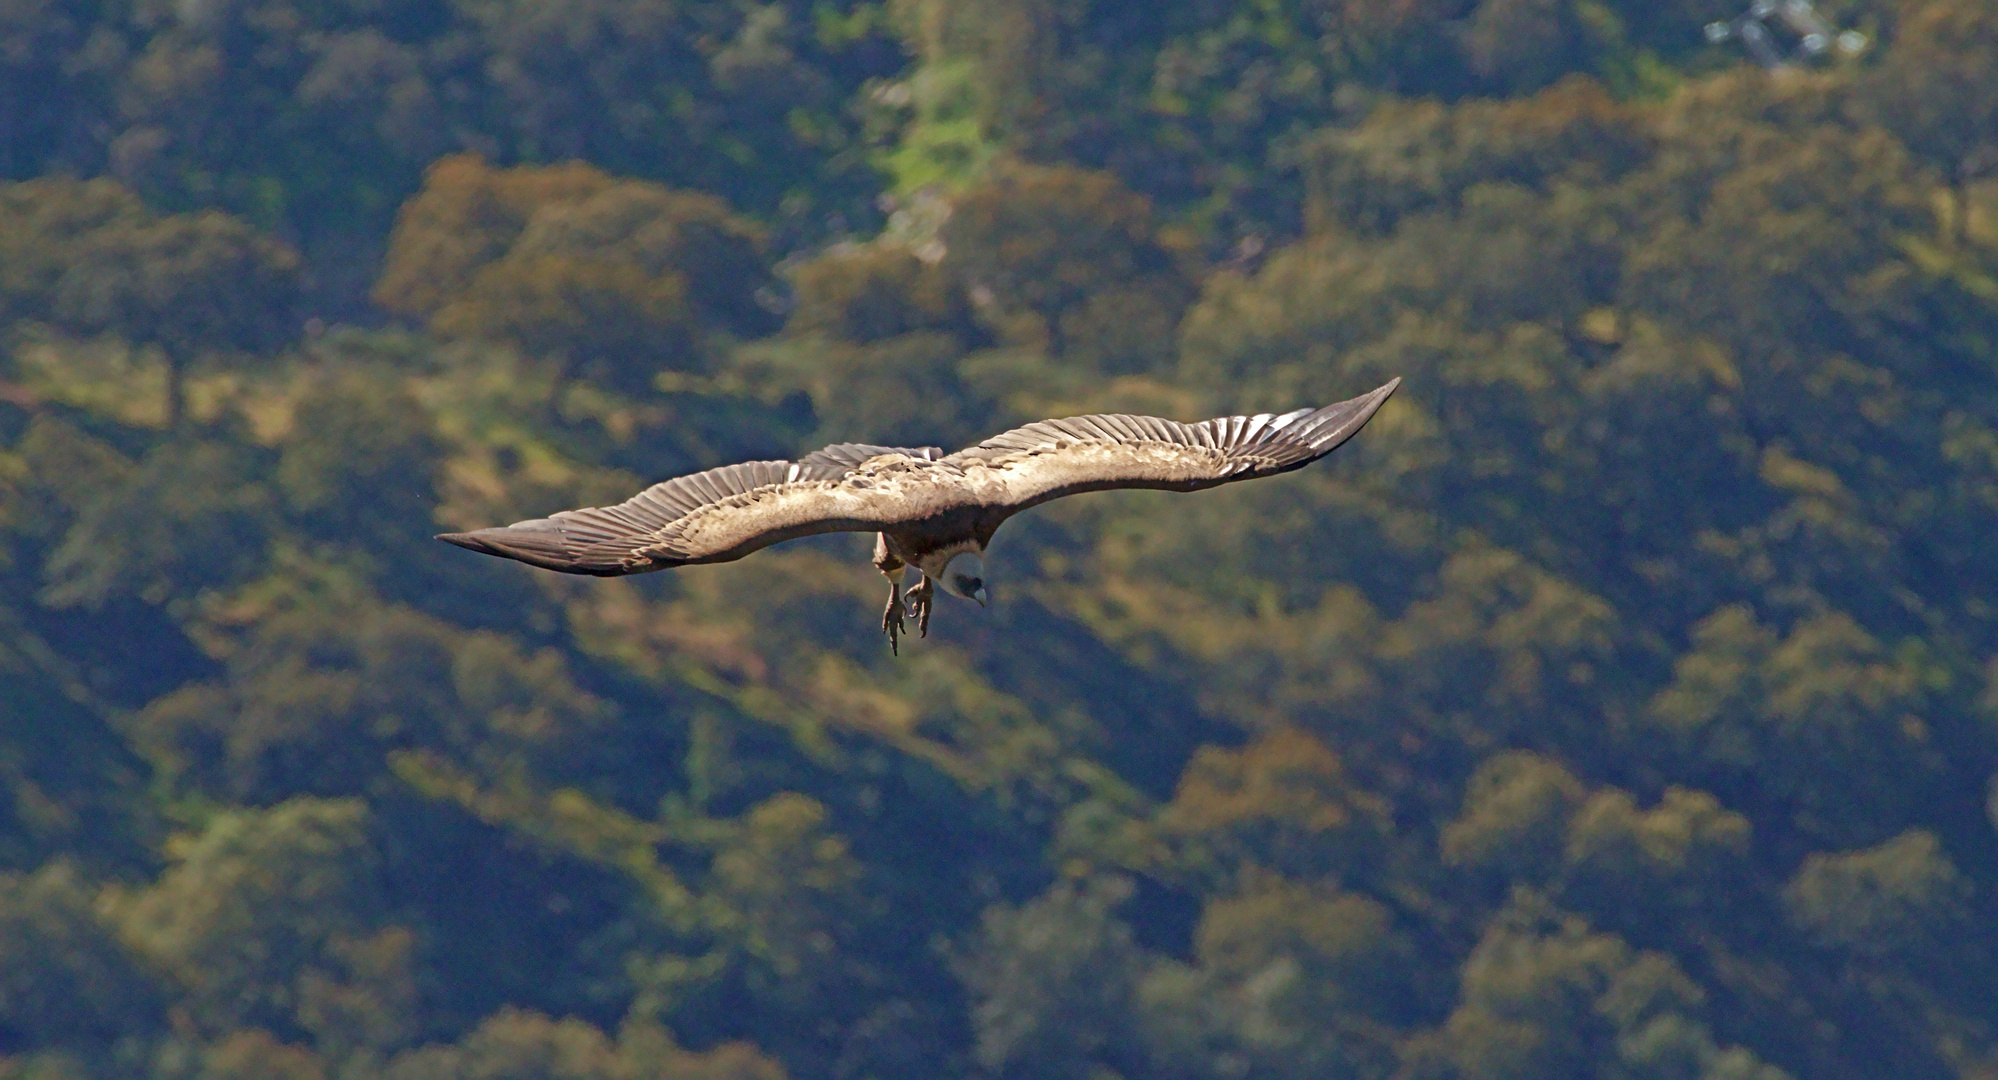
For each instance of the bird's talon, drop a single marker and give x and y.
(918, 602)
(891, 620)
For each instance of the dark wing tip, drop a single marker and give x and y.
(468, 541)
(546, 548)
(1332, 425)
(1370, 403)
(1366, 404)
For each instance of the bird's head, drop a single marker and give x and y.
(964, 575)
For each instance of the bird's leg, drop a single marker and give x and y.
(891, 619)
(891, 568)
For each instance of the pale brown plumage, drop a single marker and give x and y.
(929, 507)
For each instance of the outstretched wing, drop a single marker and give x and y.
(720, 514)
(1052, 458)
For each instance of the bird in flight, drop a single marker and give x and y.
(933, 513)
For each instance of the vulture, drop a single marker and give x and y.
(933, 513)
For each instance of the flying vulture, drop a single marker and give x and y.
(933, 513)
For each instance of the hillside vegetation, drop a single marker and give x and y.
(1622, 703)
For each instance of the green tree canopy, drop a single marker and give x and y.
(90, 258)
(615, 278)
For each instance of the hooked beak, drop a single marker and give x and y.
(979, 595)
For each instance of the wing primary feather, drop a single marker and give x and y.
(1252, 432)
(1283, 422)
(1327, 426)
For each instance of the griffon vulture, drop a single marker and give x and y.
(932, 512)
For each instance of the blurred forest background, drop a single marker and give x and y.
(1623, 703)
